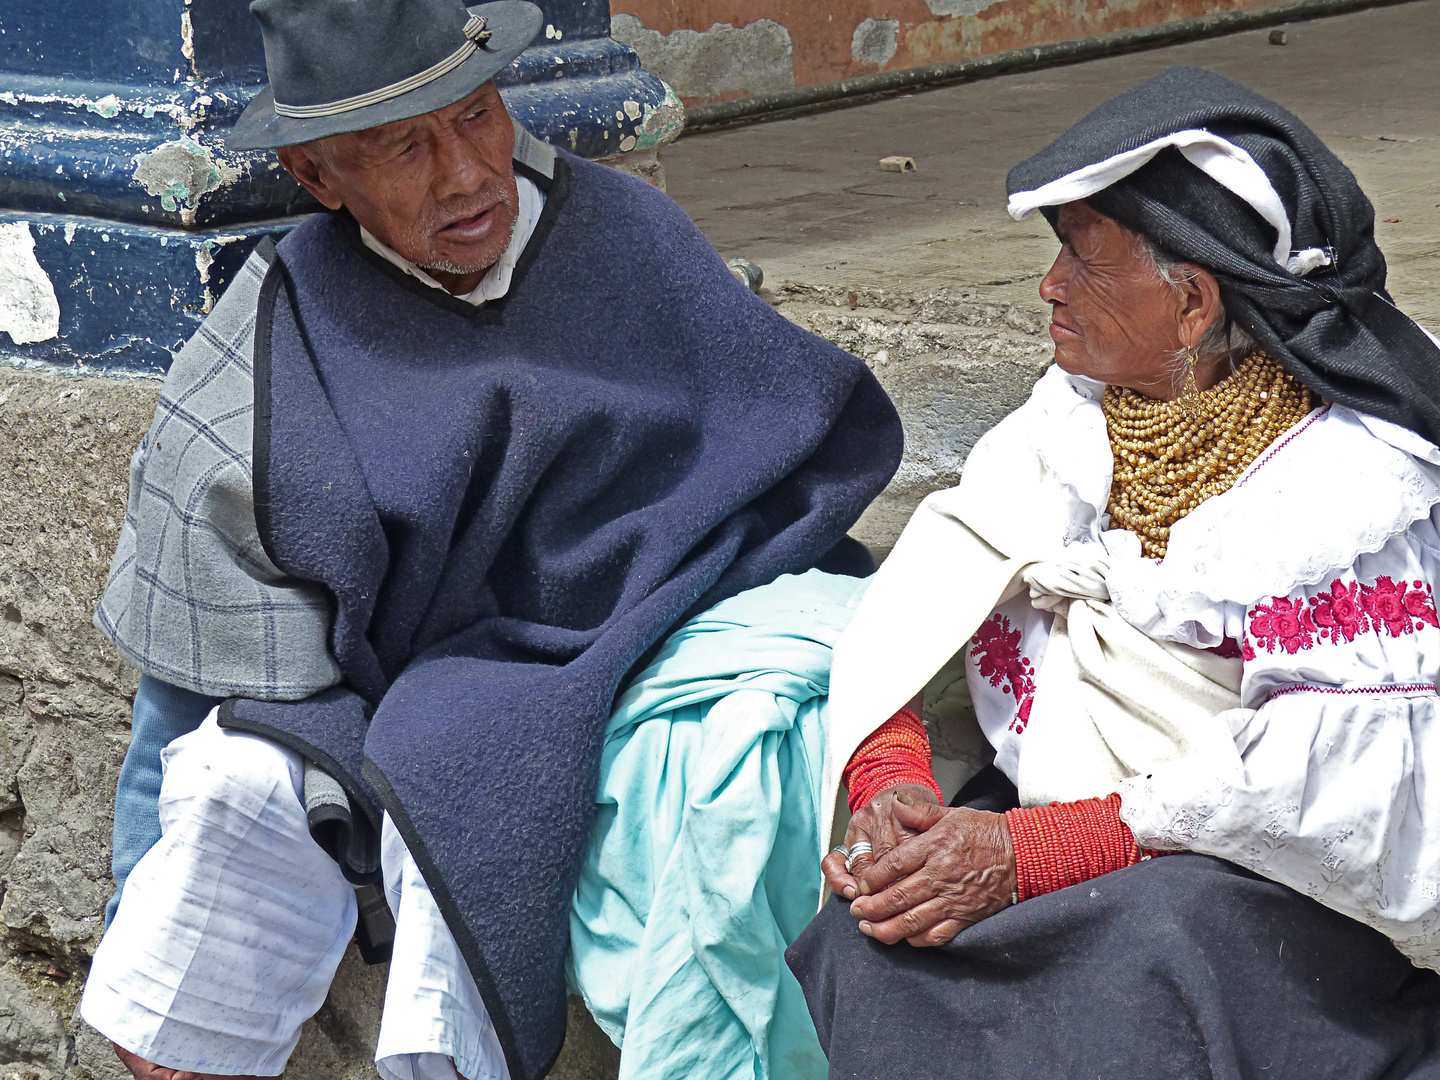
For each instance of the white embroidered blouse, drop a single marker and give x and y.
(1317, 571)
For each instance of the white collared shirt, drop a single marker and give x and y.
(496, 281)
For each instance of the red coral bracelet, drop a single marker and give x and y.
(1064, 844)
(897, 752)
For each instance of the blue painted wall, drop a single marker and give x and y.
(112, 119)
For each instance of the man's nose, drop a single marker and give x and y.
(460, 167)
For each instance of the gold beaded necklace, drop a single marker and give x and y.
(1170, 456)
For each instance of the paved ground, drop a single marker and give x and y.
(926, 277)
(805, 198)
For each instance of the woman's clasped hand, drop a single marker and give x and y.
(933, 872)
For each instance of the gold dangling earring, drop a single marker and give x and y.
(1190, 390)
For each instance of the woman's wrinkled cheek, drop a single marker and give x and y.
(1108, 317)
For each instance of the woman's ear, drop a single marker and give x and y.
(307, 166)
(1199, 304)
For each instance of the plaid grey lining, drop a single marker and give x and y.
(192, 597)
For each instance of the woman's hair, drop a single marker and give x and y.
(1225, 337)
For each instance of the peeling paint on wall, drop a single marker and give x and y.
(751, 59)
(187, 39)
(205, 259)
(107, 106)
(29, 310)
(180, 172)
(875, 41)
(958, 8)
(661, 123)
(110, 106)
(811, 43)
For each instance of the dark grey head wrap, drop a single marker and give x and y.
(1292, 242)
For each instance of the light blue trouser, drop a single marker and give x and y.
(162, 714)
(705, 849)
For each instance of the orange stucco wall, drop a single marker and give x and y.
(821, 32)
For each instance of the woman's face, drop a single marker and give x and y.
(1112, 316)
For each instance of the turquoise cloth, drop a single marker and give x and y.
(704, 860)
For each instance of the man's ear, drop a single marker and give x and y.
(307, 166)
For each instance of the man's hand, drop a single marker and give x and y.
(957, 870)
(876, 822)
(144, 1070)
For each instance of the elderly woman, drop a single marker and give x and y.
(1195, 574)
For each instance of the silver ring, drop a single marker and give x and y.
(860, 847)
(842, 849)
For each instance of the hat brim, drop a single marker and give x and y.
(513, 25)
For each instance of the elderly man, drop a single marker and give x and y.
(438, 471)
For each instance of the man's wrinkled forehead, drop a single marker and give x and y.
(388, 137)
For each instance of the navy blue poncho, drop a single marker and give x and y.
(510, 506)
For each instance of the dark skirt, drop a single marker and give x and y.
(1179, 967)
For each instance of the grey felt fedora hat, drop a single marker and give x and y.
(344, 65)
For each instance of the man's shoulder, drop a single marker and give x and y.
(610, 196)
(534, 155)
(605, 232)
(233, 315)
(225, 341)
(210, 388)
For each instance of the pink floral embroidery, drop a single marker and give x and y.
(1385, 603)
(1420, 602)
(995, 649)
(1340, 613)
(1396, 605)
(1284, 624)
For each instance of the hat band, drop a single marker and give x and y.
(475, 34)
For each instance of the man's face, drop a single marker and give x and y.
(438, 188)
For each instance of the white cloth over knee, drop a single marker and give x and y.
(230, 929)
(433, 1012)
